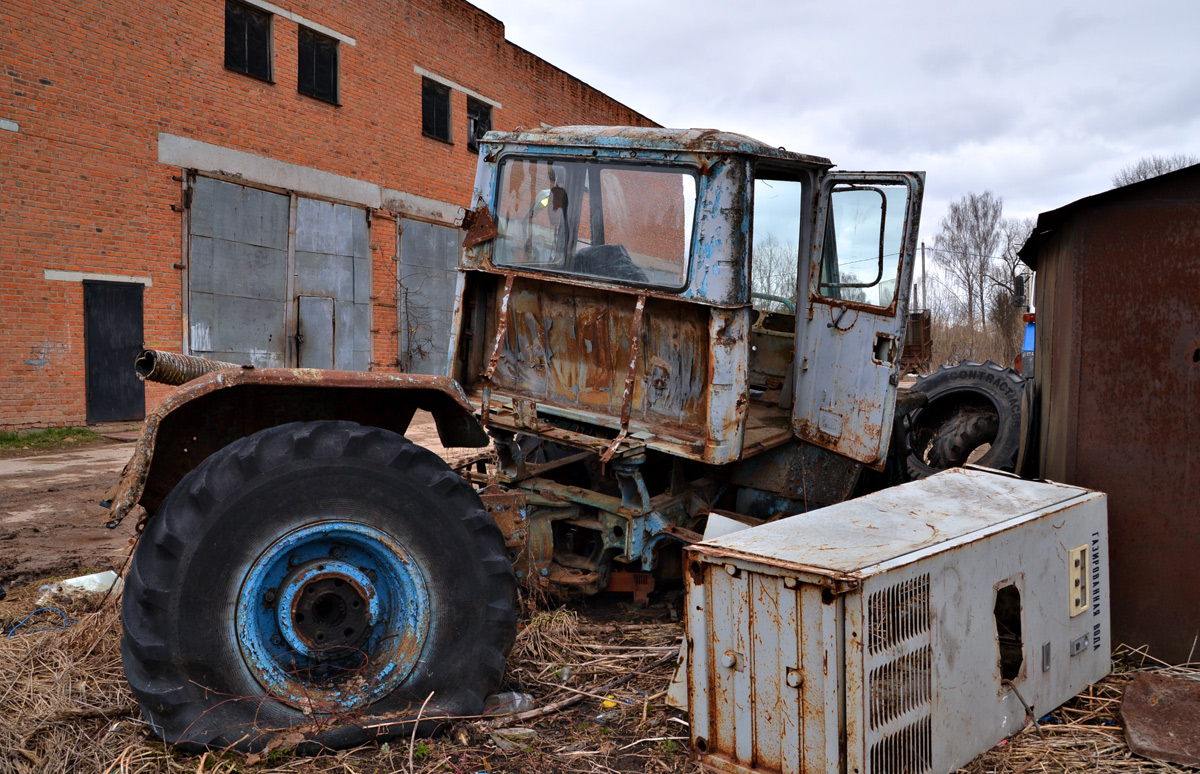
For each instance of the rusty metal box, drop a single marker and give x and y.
(899, 632)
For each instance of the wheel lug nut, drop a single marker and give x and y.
(269, 596)
(276, 639)
(293, 561)
(337, 553)
(372, 576)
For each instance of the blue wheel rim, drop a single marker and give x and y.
(332, 616)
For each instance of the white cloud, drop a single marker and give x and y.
(1036, 100)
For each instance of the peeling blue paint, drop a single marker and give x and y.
(370, 582)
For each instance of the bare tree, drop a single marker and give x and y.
(968, 238)
(1152, 166)
(1006, 307)
(849, 293)
(1013, 234)
(774, 270)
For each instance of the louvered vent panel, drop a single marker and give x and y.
(898, 613)
(901, 686)
(906, 751)
(899, 677)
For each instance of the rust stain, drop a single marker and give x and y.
(440, 394)
(479, 225)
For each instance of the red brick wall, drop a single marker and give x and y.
(91, 84)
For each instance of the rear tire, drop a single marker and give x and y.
(312, 578)
(970, 405)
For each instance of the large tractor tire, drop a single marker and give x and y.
(972, 414)
(321, 579)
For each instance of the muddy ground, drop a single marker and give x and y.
(51, 523)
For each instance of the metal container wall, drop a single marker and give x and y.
(1118, 378)
(873, 636)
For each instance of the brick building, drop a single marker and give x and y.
(263, 183)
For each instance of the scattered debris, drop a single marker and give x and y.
(507, 703)
(513, 738)
(38, 617)
(106, 582)
(1162, 718)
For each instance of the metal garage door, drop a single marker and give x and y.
(277, 279)
(112, 338)
(428, 273)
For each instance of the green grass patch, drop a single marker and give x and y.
(50, 438)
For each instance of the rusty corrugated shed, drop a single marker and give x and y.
(1118, 370)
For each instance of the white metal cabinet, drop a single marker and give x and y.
(873, 636)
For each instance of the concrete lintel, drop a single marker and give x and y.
(421, 71)
(312, 25)
(187, 153)
(421, 208)
(79, 276)
(9, 126)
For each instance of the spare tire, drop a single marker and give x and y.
(973, 414)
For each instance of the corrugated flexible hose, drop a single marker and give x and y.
(173, 368)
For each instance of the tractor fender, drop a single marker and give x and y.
(207, 414)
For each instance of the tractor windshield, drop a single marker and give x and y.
(607, 221)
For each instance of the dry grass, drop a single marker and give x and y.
(1085, 734)
(65, 706)
(598, 677)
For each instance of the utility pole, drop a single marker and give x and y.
(924, 288)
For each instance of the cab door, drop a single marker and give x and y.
(850, 336)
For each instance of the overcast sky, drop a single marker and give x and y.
(1036, 100)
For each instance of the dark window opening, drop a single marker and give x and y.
(435, 110)
(247, 40)
(318, 65)
(479, 122)
(1008, 632)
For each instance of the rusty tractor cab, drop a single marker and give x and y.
(652, 325)
(639, 366)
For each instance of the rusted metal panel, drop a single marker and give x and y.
(703, 141)
(1161, 715)
(208, 413)
(639, 584)
(1118, 382)
(674, 346)
(800, 471)
(569, 347)
(728, 383)
(849, 350)
(864, 636)
(479, 225)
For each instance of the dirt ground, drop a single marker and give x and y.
(51, 522)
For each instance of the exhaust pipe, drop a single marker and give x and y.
(172, 368)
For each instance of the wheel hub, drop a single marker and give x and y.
(332, 616)
(330, 612)
(327, 605)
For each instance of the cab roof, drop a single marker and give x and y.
(647, 138)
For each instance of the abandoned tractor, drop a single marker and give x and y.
(619, 337)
